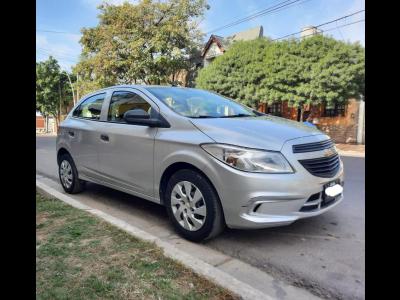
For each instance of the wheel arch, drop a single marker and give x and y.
(61, 152)
(175, 167)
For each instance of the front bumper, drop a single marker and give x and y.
(271, 213)
(255, 200)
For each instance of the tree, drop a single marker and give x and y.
(237, 73)
(311, 71)
(53, 91)
(145, 42)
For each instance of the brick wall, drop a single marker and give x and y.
(40, 122)
(340, 129)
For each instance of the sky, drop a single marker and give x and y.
(67, 17)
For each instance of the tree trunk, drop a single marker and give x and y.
(57, 121)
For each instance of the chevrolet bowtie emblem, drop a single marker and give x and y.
(329, 152)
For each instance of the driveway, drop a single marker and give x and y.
(324, 254)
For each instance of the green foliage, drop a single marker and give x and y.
(313, 70)
(134, 43)
(53, 91)
(237, 73)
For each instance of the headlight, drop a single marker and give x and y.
(250, 160)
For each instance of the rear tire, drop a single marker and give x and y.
(68, 175)
(196, 214)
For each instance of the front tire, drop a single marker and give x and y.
(193, 206)
(69, 175)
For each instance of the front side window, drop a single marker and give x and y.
(121, 102)
(194, 103)
(90, 108)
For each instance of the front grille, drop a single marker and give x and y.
(318, 201)
(325, 167)
(311, 147)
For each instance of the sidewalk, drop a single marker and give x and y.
(351, 150)
(46, 134)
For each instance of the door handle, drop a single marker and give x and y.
(71, 133)
(104, 137)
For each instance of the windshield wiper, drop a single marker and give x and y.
(203, 117)
(238, 116)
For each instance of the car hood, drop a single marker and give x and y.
(263, 132)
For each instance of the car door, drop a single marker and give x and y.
(126, 150)
(82, 134)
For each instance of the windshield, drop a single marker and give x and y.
(194, 103)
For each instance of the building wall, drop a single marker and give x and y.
(212, 52)
(40, 124)
(340, 129)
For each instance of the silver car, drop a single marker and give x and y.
(209, 160)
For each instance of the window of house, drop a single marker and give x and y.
(121, 102)
(275, 109)
(338, 110)
(90, 108)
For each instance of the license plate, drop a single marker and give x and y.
(332, 183)
(332, 190)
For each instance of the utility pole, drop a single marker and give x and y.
(59, 112)
(72, 87)
(77, 88)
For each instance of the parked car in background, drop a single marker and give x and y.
(209, 160)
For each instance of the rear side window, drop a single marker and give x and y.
(121, 102)
(90, 108)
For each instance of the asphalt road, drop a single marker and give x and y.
(324, 254)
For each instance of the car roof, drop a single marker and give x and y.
(138, 86)
(141, 86)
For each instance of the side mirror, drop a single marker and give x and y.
(94, 109)
(140, 117)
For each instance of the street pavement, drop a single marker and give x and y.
(324, 254)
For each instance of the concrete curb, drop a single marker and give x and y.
(221, 278)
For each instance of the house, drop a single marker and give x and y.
(217, 45)
(310, 31)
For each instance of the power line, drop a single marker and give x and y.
(250, 12)
(282, 5)
(50, 51)
(252, 16)
(333, 28)
(44, 53)
(53, 31)
(323, 24)
(344, 25)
